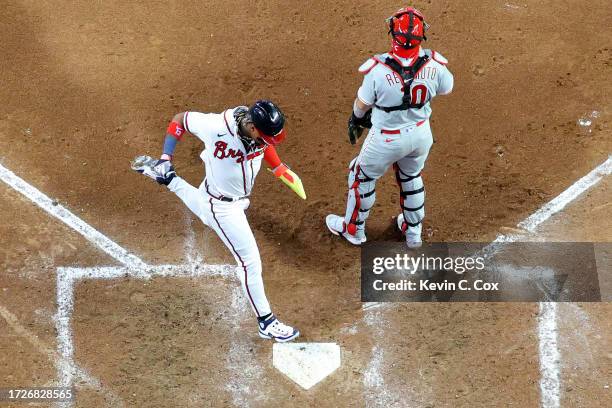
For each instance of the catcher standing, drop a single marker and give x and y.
(394, 102)
(236, 141)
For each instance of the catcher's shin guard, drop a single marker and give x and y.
(412, 199)
(361, 197)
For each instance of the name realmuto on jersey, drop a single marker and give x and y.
(425, 73)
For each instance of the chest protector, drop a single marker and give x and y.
(407, 74)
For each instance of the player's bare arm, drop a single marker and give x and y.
(360, 120)
(360, 108)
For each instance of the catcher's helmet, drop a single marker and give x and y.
(269, 120)
(407, 27)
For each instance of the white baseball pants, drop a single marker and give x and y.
(229, 221)
(405, 149)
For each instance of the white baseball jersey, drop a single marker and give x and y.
(383, 87)
(230, 168)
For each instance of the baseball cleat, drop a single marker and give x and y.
(161, 171)
(336, 226)
(413, 240)
(272, 328)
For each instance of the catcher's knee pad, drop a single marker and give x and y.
(412, 197)
(361, 197)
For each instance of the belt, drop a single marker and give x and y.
(229, 199)
(398, 131)
(222, 197)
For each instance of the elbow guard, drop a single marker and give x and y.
(271, 157)
(175, 130)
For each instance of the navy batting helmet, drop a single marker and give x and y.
(269, 120)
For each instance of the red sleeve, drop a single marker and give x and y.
(271, 157)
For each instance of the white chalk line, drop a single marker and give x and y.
(68, 277)
(245, 381)
(550, 376)
(379, 395)
(562, 200)
(63, 214)
(53, 355)
(192, 252)
(134, 267)
(550, 357)
(548, 348)
(123, 256)
(373, 380)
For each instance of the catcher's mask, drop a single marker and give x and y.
(269, 121)
(407, 27)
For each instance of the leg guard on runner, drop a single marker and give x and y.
(412, 199)
(361, 197)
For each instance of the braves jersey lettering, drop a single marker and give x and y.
(230, 168)
(222, 152)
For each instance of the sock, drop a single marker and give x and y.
(261, 319)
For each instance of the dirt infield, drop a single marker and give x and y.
(88, 86)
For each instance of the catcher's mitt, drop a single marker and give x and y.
(357, 125)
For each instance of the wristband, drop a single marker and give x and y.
(175, 130)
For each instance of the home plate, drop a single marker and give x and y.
(306, 363)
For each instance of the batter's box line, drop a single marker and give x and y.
(548, 349)
(56, 210)
(68, 277)
(67, 369)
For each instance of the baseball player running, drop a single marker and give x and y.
(236, 141)
(394, 102)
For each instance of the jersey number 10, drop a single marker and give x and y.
(418, 94)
